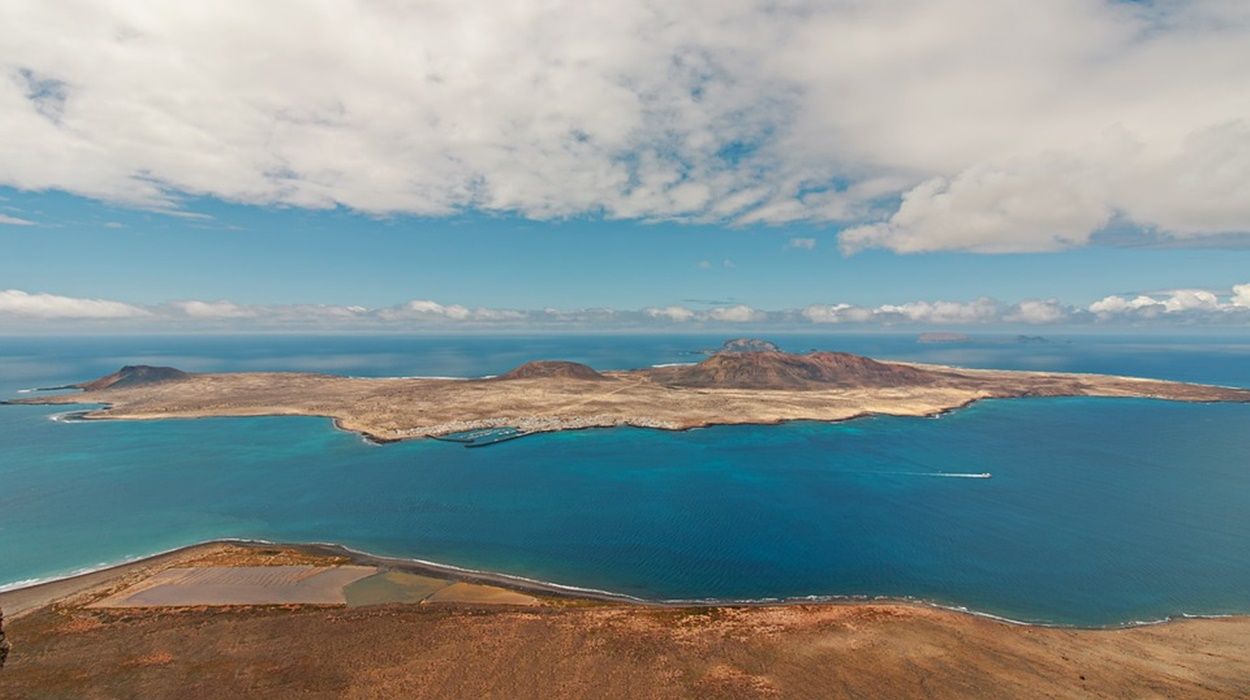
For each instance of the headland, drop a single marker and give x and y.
(382, 627)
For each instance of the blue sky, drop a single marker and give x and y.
(270, 255)
(915, 162)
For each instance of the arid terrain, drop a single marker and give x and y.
(535, 644)
(727, 388)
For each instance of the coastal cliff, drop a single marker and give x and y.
(4, 643)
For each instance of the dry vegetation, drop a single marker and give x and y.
(577, 648)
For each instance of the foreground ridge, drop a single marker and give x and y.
(166, 626)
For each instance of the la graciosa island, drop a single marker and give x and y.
(748, 382)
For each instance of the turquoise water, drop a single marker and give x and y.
(1099, 511)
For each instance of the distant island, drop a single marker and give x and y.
(746, 345)
(731, 387)
(942, 337)
(950, 337)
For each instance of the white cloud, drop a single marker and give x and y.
(1241, 295)
(740, 313)
(14, 221)
(946, 312)
(424, 309)
(1037, 311)
(949, 313)
(1114, 304)
(1187, 299)
(672, 313)
(801, 243)
(1014, 125)
(1042, 206)
(498, 315)
(1225, 307)
(1181, 304)
(836, 313)
(433, 308)
(15, 302)
(727, 263)
(705, 264)
(213, 309)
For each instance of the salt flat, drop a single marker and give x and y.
(240, 585)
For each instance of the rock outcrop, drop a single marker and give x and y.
(4, 643)
(553, 368)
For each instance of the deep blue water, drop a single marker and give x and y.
(1100, 511)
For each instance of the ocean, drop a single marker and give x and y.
(1098, 512)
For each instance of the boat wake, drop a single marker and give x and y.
(944, 475)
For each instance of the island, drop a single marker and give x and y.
(942, 337)
(748, 387)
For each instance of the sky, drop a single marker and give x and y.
(352, 165)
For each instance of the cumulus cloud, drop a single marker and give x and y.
(14, 302)
(213, 309)
(1226, 307)
(943, 312)
(672, 313)
(1038, 311)
(424, 309)
(921, 125)
(837, 313)
(1241, 295)
(739, 313)
(1041, 206)
(1187, 305)
(801, 243)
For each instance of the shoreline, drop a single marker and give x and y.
(101, 414)
(31, 595)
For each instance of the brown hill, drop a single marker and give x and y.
(780, 370)
(134, 375)
(553, 368)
